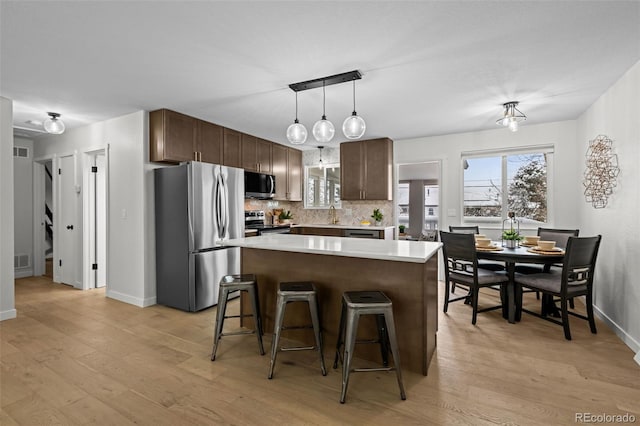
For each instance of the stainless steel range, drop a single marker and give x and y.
(255, 219)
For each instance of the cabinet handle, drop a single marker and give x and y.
(195, 155)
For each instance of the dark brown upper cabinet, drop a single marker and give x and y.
(232, 148)
(209, 141)
(287, 168)
(172, 136)
(366, 169)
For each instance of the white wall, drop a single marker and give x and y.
(23, 205)
(616, 114)
(448, 149)
(131, 259)
(7, 297)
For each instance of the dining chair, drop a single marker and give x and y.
(560, 236)
(491, 266)
(461, 268)
(575, 279)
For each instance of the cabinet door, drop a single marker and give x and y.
(378, 154)
(232, 151)
(351, 171)
(250, 153)
(279, 170)
(209, 142)
(264, 156)
(294, 173)
(171, 136)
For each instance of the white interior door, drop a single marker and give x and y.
(66, 229)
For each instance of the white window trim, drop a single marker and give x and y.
(486, 222)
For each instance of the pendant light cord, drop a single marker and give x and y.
(354, 95)
(324, 99)
(296, 107)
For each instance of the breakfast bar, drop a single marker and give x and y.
(406, 271)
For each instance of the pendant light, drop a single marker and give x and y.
(53, 124)
(323, 130)
(511, 116)
(320, 163)
(354, 125)
(297, 133)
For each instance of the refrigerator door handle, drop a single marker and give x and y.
(224, 211)
(218, 208)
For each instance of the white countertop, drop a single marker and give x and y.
(402, 251)
(342, 226)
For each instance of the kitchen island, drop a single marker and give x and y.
(406, 271)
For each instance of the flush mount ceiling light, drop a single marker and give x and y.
(511, 116)
(53, 124)
(323, 130)
(297, 133)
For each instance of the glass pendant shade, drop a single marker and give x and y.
(323, 130)
(354, 126)
(53, 124)
(297, 133)
(511, 116)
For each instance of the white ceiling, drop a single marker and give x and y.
(429, 68)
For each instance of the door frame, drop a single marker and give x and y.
(88, 277)
(38, 209)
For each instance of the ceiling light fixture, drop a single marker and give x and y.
(53, 124)
(512, 116)
(323, 130)
(354, 125)
(297, 133)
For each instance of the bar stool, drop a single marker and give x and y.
(355, 304)
(229, 284)
(296, 292)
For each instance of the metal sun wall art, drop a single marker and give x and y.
(602, 171)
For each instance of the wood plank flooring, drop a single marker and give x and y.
(76, 357)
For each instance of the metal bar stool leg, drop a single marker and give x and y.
(317, 331)
(349, 346)
(277, 330)
(222, 306)
(253, 294)
(391, 329)
(343, 314)
(384, 339)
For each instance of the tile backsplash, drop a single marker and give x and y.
(351, 213)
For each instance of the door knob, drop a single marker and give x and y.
(69, 226)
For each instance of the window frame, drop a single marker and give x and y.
(547, 150)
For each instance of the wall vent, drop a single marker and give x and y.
(21, 151)
(21, 261)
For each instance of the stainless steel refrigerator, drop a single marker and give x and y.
(196, 206)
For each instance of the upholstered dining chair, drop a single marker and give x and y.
(575, 279)
(461, 268)
(560, 236)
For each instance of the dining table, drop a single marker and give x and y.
(510, 256)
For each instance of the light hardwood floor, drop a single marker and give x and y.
(76, 357)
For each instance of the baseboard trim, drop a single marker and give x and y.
(621, 333)
(8, 314)
(132, 300)
(22, 273)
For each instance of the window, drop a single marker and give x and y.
(403, 204)
(322, 188)
(514, 181)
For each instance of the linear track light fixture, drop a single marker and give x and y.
(323, 130)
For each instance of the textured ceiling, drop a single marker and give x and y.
(429, 68)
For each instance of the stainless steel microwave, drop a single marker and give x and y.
(259, 185)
